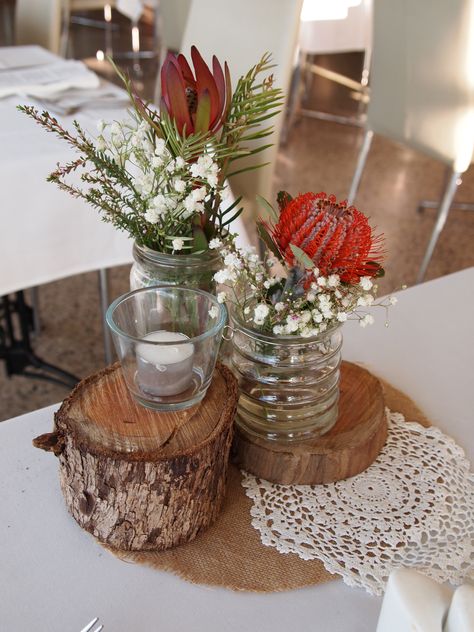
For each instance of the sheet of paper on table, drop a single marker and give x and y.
(46, 79)
(24, 57)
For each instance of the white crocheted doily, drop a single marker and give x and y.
(413, 507)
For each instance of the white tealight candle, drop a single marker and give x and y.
(164, 370)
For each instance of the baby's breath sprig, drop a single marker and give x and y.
(289, 300)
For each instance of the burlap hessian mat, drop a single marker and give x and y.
(230, 554)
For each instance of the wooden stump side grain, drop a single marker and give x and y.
(139, 500)
(346, 450)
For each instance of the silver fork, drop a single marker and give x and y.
(91, 624)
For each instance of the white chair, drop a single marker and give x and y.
(240, 33)
(173, 16)
(336, 27)
(422, 89)
(39, 22)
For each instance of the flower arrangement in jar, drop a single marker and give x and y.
(160, 174)
(319, 270)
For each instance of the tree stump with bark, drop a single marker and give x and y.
(138, 479)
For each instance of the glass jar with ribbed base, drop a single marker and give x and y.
(289, 385)
(195, 271)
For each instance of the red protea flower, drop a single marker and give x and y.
(337, 238)
(197, 103)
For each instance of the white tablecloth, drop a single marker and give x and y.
(45, 233)
(55, 577)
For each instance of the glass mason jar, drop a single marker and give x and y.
(157, 268)
(289, 385)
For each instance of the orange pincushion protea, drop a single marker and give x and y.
(337, 238)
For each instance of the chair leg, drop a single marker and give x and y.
(457, 206)
(453, 182)
(35, 308)
(294, 99)
(364, 151)
(104, 303)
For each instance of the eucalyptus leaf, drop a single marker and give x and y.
(302, 258)
(268, 207)
(267, 240)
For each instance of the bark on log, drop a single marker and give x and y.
(138, 479)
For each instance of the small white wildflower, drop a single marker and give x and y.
(322, 281)
(316, 272)
(247, 310)
(327, 313)
(115, 129)
(333, 280)
(180, 162)
(232, 261)
(393, 300)
(367, 320)
(171, 166)
(156, 162)
(365, 300)
(178, 243)
(292, 323)
(268, 283)
(214, 311)
(317, 316)
(179, 185)
(260, 313)
(338, 294)
(199, 194)
(160, 203)
(322, 327)
(101, 145)
(221, 296)
(341, 317)
(279, 307)
(305, 316)
(191, 206)
(306, 332)
(311, 297)
(152, 215)
(278, 330)
(215, 243)
(160, 147)
(221, 276)
(366, 283)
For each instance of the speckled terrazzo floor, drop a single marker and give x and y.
(318, 156)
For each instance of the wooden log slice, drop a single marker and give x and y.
(351, 445)
(138, 479)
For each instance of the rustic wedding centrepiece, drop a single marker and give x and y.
(286, 310)
(161, 174)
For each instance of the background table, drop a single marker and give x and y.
(55, 577)
(46, 234)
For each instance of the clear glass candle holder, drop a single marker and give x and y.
(167, 339)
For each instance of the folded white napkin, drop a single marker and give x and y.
(461, 611)
(413, 602)
(68, 101)
(42, 81)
